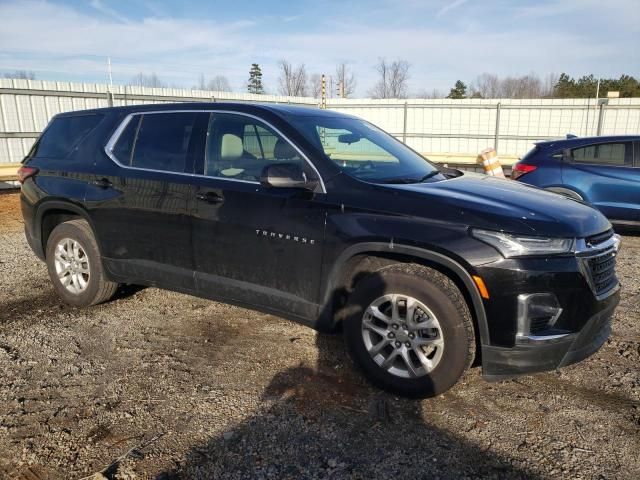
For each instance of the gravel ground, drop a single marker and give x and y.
(196, 389)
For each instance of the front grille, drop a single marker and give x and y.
(602, 269)
(598, 256)
(594, 240)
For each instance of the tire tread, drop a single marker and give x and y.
(105, 288)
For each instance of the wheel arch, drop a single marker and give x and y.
(51, 213)
(363, 258)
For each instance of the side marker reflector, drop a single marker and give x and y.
(484, 293)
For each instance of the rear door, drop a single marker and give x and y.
(606, 174)
(139, 200)
(255, 245)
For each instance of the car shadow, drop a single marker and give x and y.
(322, 420)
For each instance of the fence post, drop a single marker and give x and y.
(497, 134)
(602, 103)
(404, 124)
(110, 98)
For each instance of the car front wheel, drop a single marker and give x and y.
(410, 330)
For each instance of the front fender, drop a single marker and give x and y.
(429, 256)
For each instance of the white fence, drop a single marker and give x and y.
(26, 106)
(465, 127)
(434, 127)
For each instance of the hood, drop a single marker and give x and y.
(493, 203)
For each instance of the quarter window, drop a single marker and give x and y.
(239, 147)
(124, 147)
(64, 135)
(614, 153)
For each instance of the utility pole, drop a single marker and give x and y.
(110, 88)
(597, 105)
(323, 102)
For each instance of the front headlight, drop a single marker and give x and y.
(519, 245)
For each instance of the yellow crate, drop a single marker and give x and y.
(9, 171)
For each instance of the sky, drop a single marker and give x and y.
(443, 40)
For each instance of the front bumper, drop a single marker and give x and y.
(501, 362)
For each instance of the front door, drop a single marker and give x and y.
(255, 245)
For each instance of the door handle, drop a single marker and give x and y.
(210, 197)
(103, 183)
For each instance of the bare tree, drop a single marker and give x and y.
(315, 85)
(429, 94)
(293, 81)
(202, 83)
(21, 75)
(487, 85)
(346, 81)
(527, 86)
(549, 84)
(393, 79)
(219, 83)
(147, 80)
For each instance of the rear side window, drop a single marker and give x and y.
(64, 135)
(161, 141)
(615, 153)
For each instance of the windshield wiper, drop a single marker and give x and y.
(406, 180)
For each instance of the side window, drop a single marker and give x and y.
(63, 135)
(615, 153)
(159, 141)
(124, 146)
(239, 147)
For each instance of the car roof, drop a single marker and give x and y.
(578, 141)
(281, 109)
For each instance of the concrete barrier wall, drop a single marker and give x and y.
(453, 129)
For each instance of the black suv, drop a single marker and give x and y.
(324, 219)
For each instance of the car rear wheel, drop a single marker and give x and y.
(75, 267)
(410, 330)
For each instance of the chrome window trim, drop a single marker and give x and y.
(108, 149)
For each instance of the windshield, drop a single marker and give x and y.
(364, 151)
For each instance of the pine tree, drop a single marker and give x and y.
(458, 91)
(255, 79)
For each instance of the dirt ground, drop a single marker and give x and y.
(178, 387)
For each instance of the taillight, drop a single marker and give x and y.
(520, 169)
(26, 172)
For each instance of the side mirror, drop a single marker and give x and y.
(286, 175)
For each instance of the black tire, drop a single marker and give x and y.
(436, 291)
(98, 288)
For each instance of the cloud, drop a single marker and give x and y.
(179, 49)
(450, 6)
(102, 8)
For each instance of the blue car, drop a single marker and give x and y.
(603, 171)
